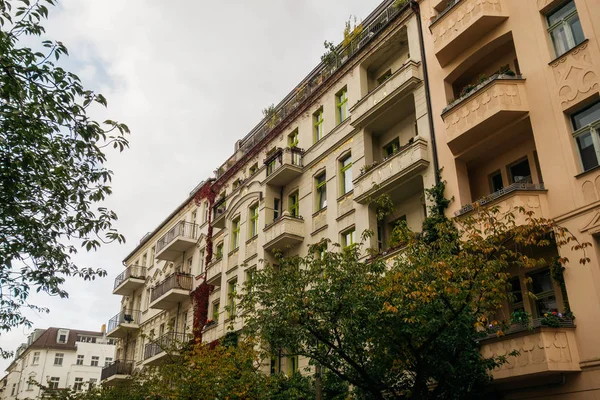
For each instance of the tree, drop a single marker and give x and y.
(409, 329)
(52, 173)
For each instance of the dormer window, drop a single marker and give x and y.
(63, 336)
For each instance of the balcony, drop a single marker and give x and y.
(214, 271)
(116, 372)
(284, 232)
(164, 348)
(179, 239)
(396, 170)
(462, 24)
(383, 97)
(542, 351)
(489, 107)
(124, 323)
(219, 210)
(173, 290)
(530, 196)
(283, 166)
(132, 278)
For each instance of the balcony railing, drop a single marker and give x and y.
(132, 317)
(118, 367)
(284, 165)
(284, 232)
(133, 271)
(524, 184)
(167, 342)
(177, 280)
(371, 28)
(182, 229)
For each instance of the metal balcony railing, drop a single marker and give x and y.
(124, 317)
(564, 322)
(219, 208)
(177, 280)
(168, 341)
(118, 367)
(523, 184)
(133, 271)
(279, 158)
(182, 229)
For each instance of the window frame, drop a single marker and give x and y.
(351, 234)
(78, 384)
(231, 300)
(54, 382)
(318, 131)
(293, 139)
(219, 251)
(341, 105)
(96, 360)
(343, 172)
(321, 191)
(565, 24)
(593, 129)
(235, 233)
(294, 204)
(394, 144)
(80, 359)
(59, 357)
(253, 220)
(36, 358)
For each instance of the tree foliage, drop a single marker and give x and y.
(408, 326)
(52, 174)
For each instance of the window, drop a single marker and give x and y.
(219, 251)
(215, 311)
(253, 169)
(318, 124)
(386, 75)
(147, 302)
(58, 358)
(391, 148)
(202, 253)
(496, 182)
(564, 28)
(235, 233)
(380, 233)
(152, 251)
(348, 238)
(95, 361)
(321, 191)
(254, 220)
(237, 183)
(520, 172)
(274, 366)
(586, 124)
(62, 336)
(276, 208)
(206, 211)
(293, 139)
(107, 361)
(145, 259)
(14, 389)
(294, 204)
(231, 293)
(30, 384)
(80, 358)
(543, 290)
(341, 104)
(53, 382)
(346, 174)
(36, 358)
(78, 386)
(516, 295)
(184, 323)
(194, 216)
(92, 382)
(250, 275)
(293, 364)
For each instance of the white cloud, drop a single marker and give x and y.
(189, 78)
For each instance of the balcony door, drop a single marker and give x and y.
(520, 172)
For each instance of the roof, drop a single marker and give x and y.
(47, 340)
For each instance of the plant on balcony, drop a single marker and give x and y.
(552, 319)
(521, 318)
(419, 314)
(270, 115)
(351, 31)
(366, 168)
(330, 57)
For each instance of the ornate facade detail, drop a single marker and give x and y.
(576, 76)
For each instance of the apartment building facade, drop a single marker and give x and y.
(57, 358)
(515, 90)
(355, 128)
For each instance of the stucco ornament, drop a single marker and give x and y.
(575, 76)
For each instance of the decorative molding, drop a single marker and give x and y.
(576, 76)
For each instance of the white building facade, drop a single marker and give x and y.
(58, 358)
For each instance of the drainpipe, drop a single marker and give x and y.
(414, 5)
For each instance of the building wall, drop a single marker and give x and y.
(496, 33)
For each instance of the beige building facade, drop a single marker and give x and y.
(352, 130)
(515, 90)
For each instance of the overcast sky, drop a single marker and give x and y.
(189, 78)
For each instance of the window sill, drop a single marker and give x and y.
(571, 50)
(253, 238)
(345, 195)
(322, 210)
(584, 173)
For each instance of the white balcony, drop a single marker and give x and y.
(283, 166)
(178, 240)
(284, 232)
(124, 323)
(128, 281)
(174, 289)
